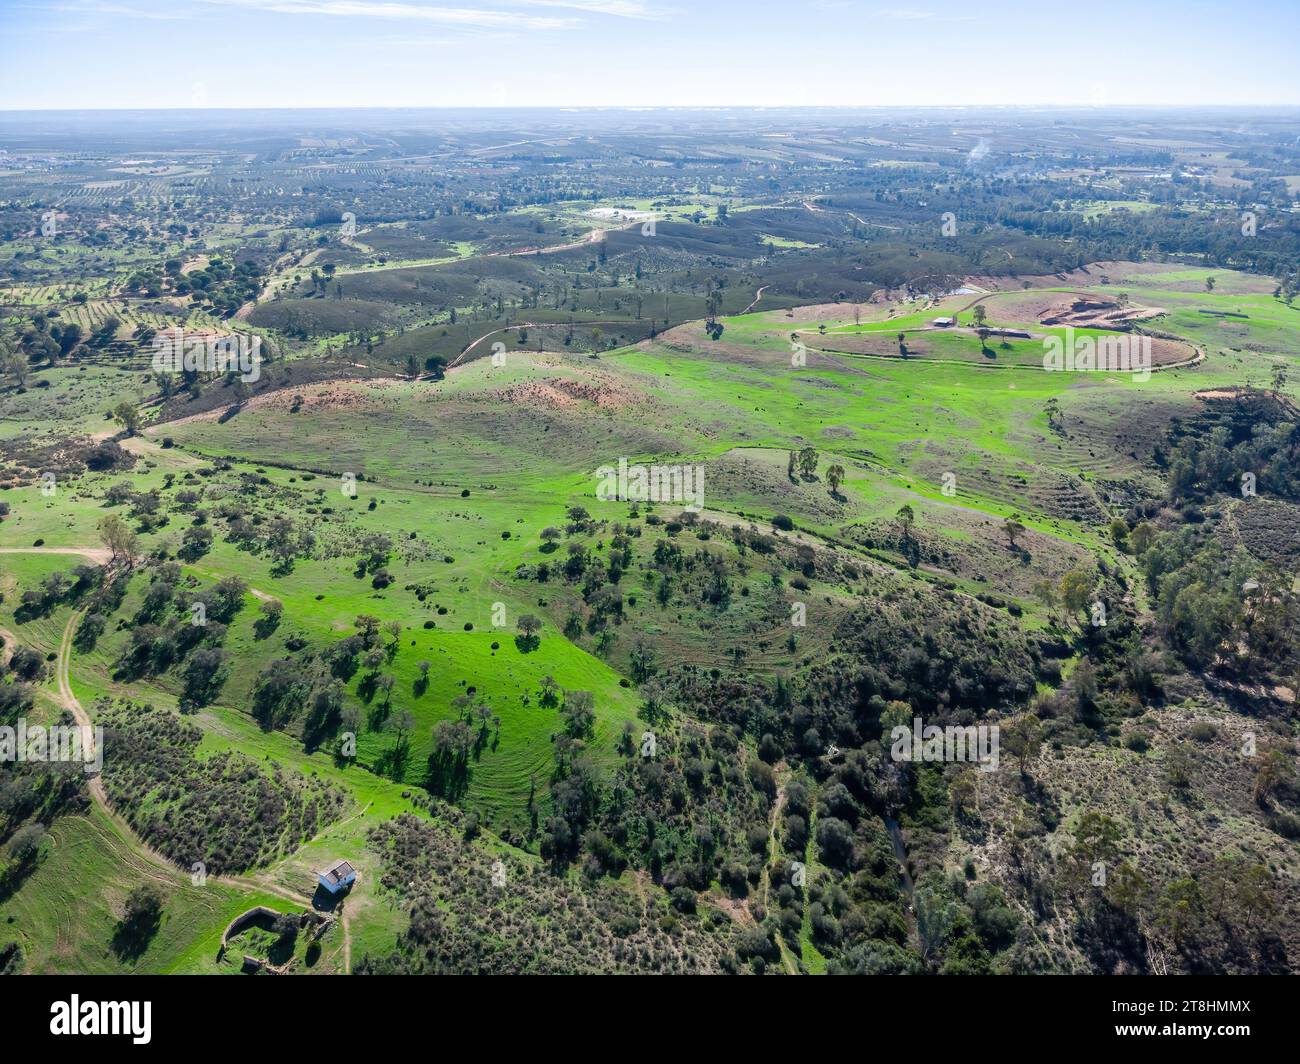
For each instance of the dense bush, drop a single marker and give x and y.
(223, 809)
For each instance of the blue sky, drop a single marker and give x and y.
(404, 53)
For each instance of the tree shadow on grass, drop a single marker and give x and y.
(448, 777)
(392, 762)
(132, 937)
(15, 876)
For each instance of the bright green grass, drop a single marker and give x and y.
(323, 598)
(1092, 211)
(814, 961)
(76, 402)
(896, 426)
(65, 912)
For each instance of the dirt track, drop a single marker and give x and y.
(1196, 359)
(98, 555)
(68, 700)
(532, 325)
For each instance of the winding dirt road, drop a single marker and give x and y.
(98, 555)
(757, 296)
(1196, 359)
(532, 325)
(68, 700)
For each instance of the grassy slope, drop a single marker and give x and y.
(896, 428)
(66, 910)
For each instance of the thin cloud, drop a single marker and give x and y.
(907, 14)
(395, 9)
(615, 8)
(454, 16)
(97, 7)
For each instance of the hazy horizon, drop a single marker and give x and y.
(295, 54)
(976, 109)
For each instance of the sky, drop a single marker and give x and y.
(83, 54)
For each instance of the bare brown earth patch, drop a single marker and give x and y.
(564, 389)
(605, 393)
(1080, 309)
(1086, 312)
(827, 312)
(535, 393)
(562, 393)
(1166, 352)
(328, 395)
